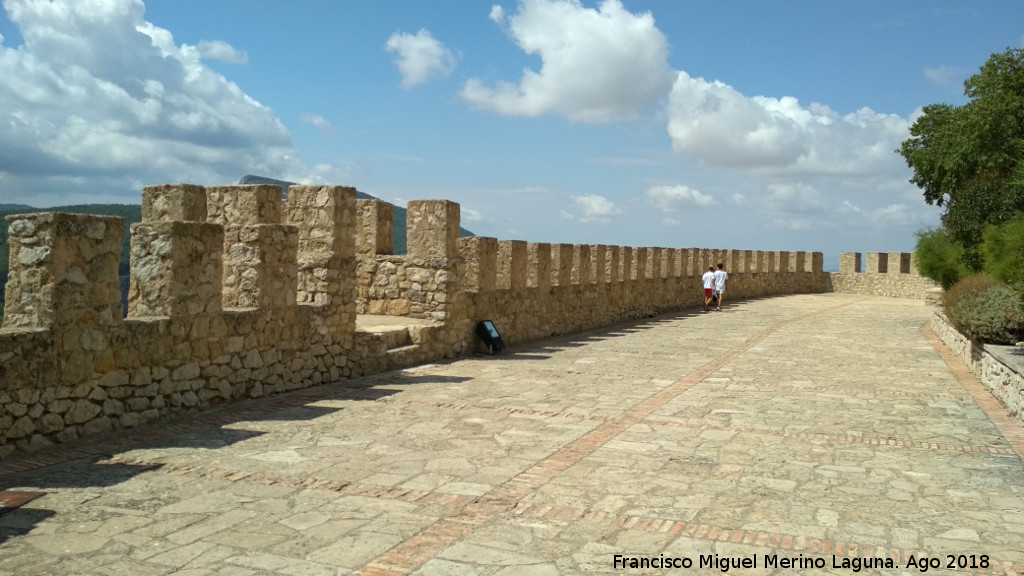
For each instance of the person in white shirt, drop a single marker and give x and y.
(709, 286)
(720, 277)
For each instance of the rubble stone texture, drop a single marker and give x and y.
(237, 294)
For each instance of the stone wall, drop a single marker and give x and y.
(1005, 382)
(892, 274)
(236, 294)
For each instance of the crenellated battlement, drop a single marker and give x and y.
(892, 274)
(236, 293)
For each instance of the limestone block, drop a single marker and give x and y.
(176, 269)
(877, 262)
(626, 264)
(432, 229)
(174, 202)
(538, 256)
(581, 271)
(782, 261)
(375, 233)
(480, 257)
(244, 205)
(613, 258)
(850, 263)
(259, 266)
(898, 263)
(748, 264)
(679, 262)
(816, 263)
(561, 264)
(691, 266)
(598, 263)
(796, 261)
(511, 264)
(63, 274)
(654, 263)
(325, 217)
(641, 271)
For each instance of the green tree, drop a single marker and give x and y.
(939, 257)
(968, 158)
(1003, 250)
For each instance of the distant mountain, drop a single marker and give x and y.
(15, 208)
(399, 213)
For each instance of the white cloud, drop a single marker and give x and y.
(891, 215)
(720, 126)
(470, 215)
(318, 122)
(595, 208)
(420, 57)
(597, 65)
(793, 197)
(944, 75)
(672, 198)
(98, 100)
(220, 50)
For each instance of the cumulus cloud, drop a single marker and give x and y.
(794, 197)
(99, 99)
(318, 122)
(672, 198)
(597, 65)
(420, 57)
(595, 208)
(722, 127)
(220, 50)
(470, 215)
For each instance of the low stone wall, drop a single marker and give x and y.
(1005, 382)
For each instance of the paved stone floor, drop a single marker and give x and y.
(822, 428)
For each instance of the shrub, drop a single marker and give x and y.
(939, 257)
(1003, 250)
(984, 310)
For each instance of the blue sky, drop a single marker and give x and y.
(756, 125)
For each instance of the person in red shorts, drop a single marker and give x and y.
(709, 286)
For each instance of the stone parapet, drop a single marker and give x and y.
(237, 294)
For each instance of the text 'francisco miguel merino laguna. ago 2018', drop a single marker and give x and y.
(774, 561)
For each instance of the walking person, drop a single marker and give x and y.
(720, 277)
(709, 286)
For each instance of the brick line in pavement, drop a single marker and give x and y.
(412, 553)
(1009, 427)
(840, 439)
(895, 442)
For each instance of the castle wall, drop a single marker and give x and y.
(892, 274)
(237, 294)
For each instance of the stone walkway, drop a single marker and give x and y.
(818, 428)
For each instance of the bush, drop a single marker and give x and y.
(984, 310)
(939, 257)
(1003, 250)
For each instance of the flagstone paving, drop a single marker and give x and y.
(817, 427)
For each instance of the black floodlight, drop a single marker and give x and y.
(486, 331)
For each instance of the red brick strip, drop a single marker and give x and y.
(11, 499)
(1007, 425)
(842, 439)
